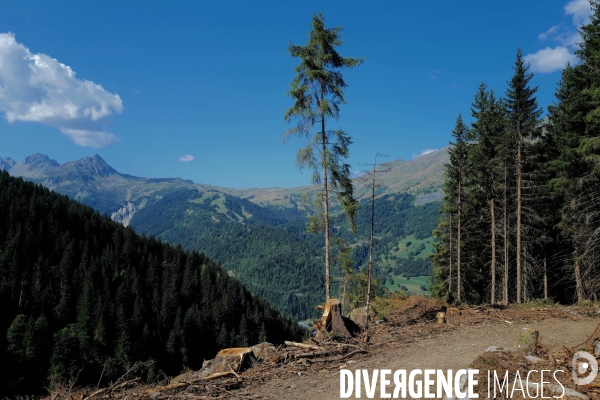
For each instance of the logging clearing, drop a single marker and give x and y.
(410, 338)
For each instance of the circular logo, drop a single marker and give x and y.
(584, 362)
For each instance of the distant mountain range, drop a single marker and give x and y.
(92, 181)
(420, 176)
(257, 234)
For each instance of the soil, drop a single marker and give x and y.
(452, 349)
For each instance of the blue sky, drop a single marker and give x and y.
(196, 89)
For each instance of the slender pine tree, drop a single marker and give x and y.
(317, 92)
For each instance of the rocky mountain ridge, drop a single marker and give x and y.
(94, 182)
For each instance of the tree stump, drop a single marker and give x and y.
(441, 318)
(528, 340)
(234, 358)
(452, 311)
(334, 322)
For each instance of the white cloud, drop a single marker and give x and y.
(426, 151)
(550, 59)
(555, 59)
(580, 10)
(186, 158)
(548, 33)
(38, 88)
(569, 39)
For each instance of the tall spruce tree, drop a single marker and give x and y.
(317, 92)
(565, 166)
(524, 125)
(485, 134)
(454, 188)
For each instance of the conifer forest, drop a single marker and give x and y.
(520, 213)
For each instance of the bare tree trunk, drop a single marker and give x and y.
(545, 279)
(326, 209)
(458, 278)
(578, 282)
(505, 277)
(450, 275)
(519, 216)
(493, 266)
(344, 300)
(370, 248)
(21, 294)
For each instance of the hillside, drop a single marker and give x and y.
(83, 295)
(421, 175)
(402, 240)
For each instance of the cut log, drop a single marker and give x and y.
(263, 351)
(333, 321)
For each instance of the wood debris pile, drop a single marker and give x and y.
(523, 367)
(233, 370)
(416, 309)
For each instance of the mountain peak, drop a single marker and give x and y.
(38, 160)
(94, 165)
(6, 163)
(33, 166)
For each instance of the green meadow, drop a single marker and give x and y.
(413, 285)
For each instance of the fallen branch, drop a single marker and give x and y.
(217, 375)
(589, 337)
(313, 354)
(349, 345)
(339, 358)
(193, 381)
(235, 373)
(110, 388)
(302, 345)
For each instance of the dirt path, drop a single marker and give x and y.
(449, 350)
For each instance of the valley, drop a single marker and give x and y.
(259, 235)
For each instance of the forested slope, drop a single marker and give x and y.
(396, 217)
(265, 248)
(83, 294)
